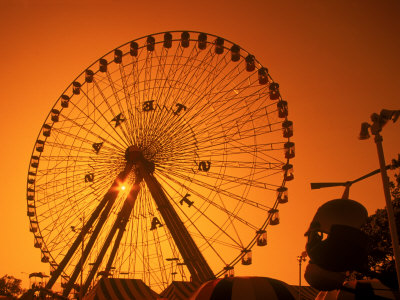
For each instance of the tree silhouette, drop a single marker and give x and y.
(10, 286)
(380, 252)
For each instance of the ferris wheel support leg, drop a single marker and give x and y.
(108, 197)
(117, 242)
(88, 247)
(193, 258)
(126, 211)
(119, 224)
(108, 200)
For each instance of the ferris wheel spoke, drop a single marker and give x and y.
(82, 164)
(244, 117)
(104, 207)
(224, 97)
(162, 117)
(176, 86)
(65, 212)
(74, 180)
(136, 81)
(231, 218)
(172, 88)
(263, 165)
(143, 255)
(140, 209)
(221, 208)
(222, 126)
(211, 88)
(120, 108)
(173, 129)
(57, 164)
(196, 263)
(95, 122)
(237, 180)
(88, 248)
(242, 113)
(70, 148)
(159, 83)
(216, 155)
(147, 267)
(147, 68)
(135, 230)
(215, 240)
(259, 151)
(130, 106)
(173, 69)
(217, 148)
(171, 249)
(209, 131)
(151, 87)
(70, 214)
(224, 210)
(235, 142)
(160, 257)
(148, 100)
(200, 77)
(186, 73)
(213, 68)
(200, 234)
(227, 180)
(121, 223)
(62, 207)
(118, 118)
(217, 189)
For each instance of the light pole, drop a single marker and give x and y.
(378, 121)
(301, 258)
(83, 246)
(74, 229)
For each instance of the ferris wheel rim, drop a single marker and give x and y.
(263, 227)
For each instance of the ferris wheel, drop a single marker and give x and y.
(166, 159)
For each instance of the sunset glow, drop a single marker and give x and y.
(336, 63)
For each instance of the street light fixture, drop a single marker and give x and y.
(378, 121)
(301, 258)
(75, 229)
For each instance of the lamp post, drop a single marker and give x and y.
(378, 121)
(91, 266)
(83, 246)
(301, 258)
(74, 229)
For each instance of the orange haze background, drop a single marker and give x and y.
(336, 62)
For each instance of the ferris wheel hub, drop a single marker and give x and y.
(133, 154)
(203, 149)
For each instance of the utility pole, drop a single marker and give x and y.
(378, 121)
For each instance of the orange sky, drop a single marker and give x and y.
(336, 62)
